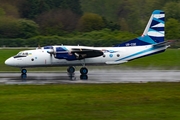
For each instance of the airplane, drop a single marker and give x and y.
(149, 43)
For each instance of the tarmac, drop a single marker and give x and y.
(93, 77)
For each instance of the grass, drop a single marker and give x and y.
(150, 101)
(170, 59)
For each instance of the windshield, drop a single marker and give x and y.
(21, 54)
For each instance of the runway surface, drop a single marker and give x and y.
(94, 76)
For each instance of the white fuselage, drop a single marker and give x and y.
(111, 55)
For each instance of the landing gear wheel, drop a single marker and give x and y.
(83, 70)
(23, 71)
(71, 70)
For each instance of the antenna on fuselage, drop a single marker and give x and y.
(39, 47)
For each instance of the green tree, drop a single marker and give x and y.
(73, 5)
(56, 21)
(32, 8)
(10, 10)
(111, 25)
(172, 29)
(105, 8)
(17, 28)
(27, 28)
(2, 12)
(172, 10)
(90, 22)
(8, 27)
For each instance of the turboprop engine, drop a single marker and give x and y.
(61, 52)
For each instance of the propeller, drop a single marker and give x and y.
(52, 53)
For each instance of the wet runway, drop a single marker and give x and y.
(94, 76)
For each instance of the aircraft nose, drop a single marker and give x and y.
(9, 62)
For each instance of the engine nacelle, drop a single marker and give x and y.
(50, 49)
(63, 53)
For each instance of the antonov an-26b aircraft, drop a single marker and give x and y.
(151, 42)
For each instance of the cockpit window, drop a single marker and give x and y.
(21, 54)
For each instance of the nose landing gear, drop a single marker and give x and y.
(23, 71)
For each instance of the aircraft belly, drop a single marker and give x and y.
(58, 63)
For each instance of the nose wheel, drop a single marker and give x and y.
(23, 71)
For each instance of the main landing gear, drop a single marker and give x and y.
(83, 72)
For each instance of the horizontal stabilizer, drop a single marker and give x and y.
(161, 44)
(115, 62)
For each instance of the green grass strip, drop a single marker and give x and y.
(145, 101)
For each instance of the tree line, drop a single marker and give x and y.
(28, 19)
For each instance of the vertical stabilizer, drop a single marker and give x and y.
(153, 33)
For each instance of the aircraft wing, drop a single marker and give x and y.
(82, 53)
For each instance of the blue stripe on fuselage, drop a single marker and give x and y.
(138, 53)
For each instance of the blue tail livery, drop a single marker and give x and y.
(153, 33)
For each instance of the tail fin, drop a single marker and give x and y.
(153, 33)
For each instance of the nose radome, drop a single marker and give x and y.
(9, 62)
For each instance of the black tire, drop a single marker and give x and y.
(71, 70)
(83, 70)
(23, 71)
